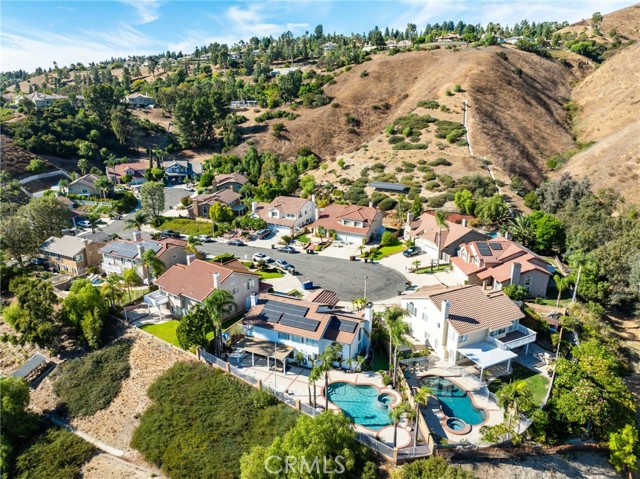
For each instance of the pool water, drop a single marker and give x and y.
(360, 404)
(454, 400)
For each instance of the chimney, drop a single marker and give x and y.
(317, 213)
(313, 199)
(216, 280)
(409, 217)
(254, 205)
(446, 306)
(370, 204)
(368, 312)
(190, 258)
(137, 236)
(254, 299)
(515, 273)
(465, 222)
(140, 248)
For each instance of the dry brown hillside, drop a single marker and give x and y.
(517, 122)
(625, 22)
(14, 159)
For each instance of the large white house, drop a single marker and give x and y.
(466, 323)
(308, 327)
(285, 213)
(183, 286)
(352, 223)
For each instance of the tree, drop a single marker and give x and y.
(421, 397)
(434, 467)
(289, 85)
(17, 238)
(323, 443)
(130, 278)
(398, 328)
(47, 216)
(395, 415)
(549, 232)
(416, 206)
(111, 289)
(562, 284)
(516, 292)
(231, 135)
(194, 328)
(99, 99)
(493, 210)
(83, 297)
(83, 166)
(332, 353)
(596, 19)
(314, 376)
(121, 123)
(16, 422)
(94, 220)
(515, 397)
(442, 224)
(138, 221)
(152, 265)
(197, 113)
(152, 198)
(33, 315)
(220, 213)
(192, 246)
(36, 165)
(623, 446)
(522, 230)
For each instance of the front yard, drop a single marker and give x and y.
(537, 382)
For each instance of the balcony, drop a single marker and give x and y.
(521, 336)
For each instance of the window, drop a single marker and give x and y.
(527, 281)
(297, 339)
(498, 332)
(425, 317)
(311, 342)
(462, 338)
(79, 258)
(284, 336)
(235, 290)
(411, 308)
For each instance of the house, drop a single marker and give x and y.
(466, 323)
(234, 180)
(391, 43)
(120, 255)
(404, 44)
(368, 47)
(329, 47)
(352, 223)
(40, 100)
(389, 187)
(139, 100)
(514, 40)
(134, 170)
(307, 327)
(85, 186)
(73, 254)
(283, 71)
(203, 203)
(500, 262)
(190, 284)
(285, 213)
(243, 104)
(178, 171)
(428, 236)
(450, 37)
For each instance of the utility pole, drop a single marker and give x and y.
(365, 287)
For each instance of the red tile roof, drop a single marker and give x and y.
(332, 216)
(120, 169)
(285, 205)
(426, 226)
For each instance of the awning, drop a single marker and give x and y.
(485, 354)
(261, 347)
(155, 298)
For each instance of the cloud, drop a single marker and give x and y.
(253, 21)
(148, 10)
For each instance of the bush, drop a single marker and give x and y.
(387, 204)
(388, 239)
(88, 384)
(56, 454)
(440, 162)
(202, 420)
(36, 165)
(403, 145)
(270, 115)
(414, 121)
(395, 139)
(364, 73)
(516, 292)
(430, 104)
(451, 130)
(448, 93)
(458, 89)
(438, 201)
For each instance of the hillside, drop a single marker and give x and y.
(517, 122)
(14, 159)
(624, 21)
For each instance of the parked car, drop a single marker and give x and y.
(83, 224)
(288, 249)
(236, 242)
(413, 251)
(205, 239)
(262, 234)
(169, 234)
(261, 257)
(282, 264)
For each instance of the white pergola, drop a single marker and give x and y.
(485, 355)
(267, 349)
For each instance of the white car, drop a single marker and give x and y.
(261, 257)
(205, 238)
(83, 224)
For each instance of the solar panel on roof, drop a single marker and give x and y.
(307, 324)
(484, 249)
(347, 326)
(495, 246)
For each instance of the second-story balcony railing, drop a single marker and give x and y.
(516, 338)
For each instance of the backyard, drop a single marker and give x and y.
(165, 331)
(536, 382)
(186, 227)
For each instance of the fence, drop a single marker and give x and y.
(376, 445)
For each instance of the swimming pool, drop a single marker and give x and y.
(359, 402)
(454, 400)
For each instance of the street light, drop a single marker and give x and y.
(365, 287)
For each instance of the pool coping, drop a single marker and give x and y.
(396, 402)
(443, 422)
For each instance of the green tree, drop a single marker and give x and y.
(416, 206)
(231, 135)
(433, 468)
(421, 397)
(562, 284)
(327, 438)
(515, 397)
(130, 278)
(17, 238)
(596, 19)
(152, 265)
(197, 113)
(85, 310)
(194, 328)
(442, 224)
(112, 290)
(331, 354)
(16, 422)
(549, 232)
(99, 99)
(315, 375)
(465, 202)
(94, 220)
(36, 165)
(622, 447)
(397, 328)
(83, 165)
(192, 246)
(522, 230)
(493, 210)
(221, 213)
(289, 85)
(396, 415)
(121, 123)
(138, 221)
(152, 198)
(47, 216)
(38, 321)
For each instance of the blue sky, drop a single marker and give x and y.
(37, 33)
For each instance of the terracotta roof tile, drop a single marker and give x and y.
(331, 216)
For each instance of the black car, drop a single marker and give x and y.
(169, 234)
(262, 234)
(413, 251)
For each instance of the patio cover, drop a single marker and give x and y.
(30, 366)
(155, 298)
(265, 348)
(485, 354)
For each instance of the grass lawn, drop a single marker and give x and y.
(165, 331)
(536, 382)
(552, 297)
(303, 239)
(388, 251)
(428, 270)
(380, 359)
(270, 274)
(186, 226)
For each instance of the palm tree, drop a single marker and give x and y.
(299, 357)
(416, 264)
(130, 278)
(331, 354)
(191, 247)
(93, 219)
(397, 328)
(421, 397)
(152, 264)
(138, 221)
(562, 284)
(83, 166)
(103, 184)
(359, 303)
(395, 415)
(111, 289)
(515, 397)
(521, 230)
(441, 222)
(110, 162)
(63, 184)
(218, 305)
(314, 376)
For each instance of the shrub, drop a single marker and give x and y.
(430, 104)
(448, 93)
(440, 162)
(414, 121)
(352, 120)
(36, 165)
(335, 105)
(407, 131)
(88, 384)
(390, 129)
(277, 129)
(364, 73)
(270, 115)
(458, 89)
(395, 139)
(437, 201)
(403, 145)
(451, 130)
(387, 204)
(516, 292)
(388, 239)
(447, 181)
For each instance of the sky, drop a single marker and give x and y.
(37, 33)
